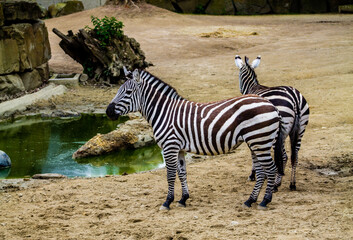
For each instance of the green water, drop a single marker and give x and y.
(42, 145)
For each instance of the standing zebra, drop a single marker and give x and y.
(181, 126)
(292, 107)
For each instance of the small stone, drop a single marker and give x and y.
(234, 223)
(84, 78)
(48, 176)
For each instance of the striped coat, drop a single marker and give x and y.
(181, 126)
(292, 107)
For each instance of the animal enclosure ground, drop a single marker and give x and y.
(312, 53)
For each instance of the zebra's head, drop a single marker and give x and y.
(247, 75)
(128, 97)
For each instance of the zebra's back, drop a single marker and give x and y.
(215, 128)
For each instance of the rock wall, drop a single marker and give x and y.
(88, 4)
(231, 7)
(24, 48)
(65, 8)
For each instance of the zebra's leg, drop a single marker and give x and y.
(270, 169)
(294, 161)
(260, 179)
(278, 180)
(170, 157)
(252, 176)
(182, 177)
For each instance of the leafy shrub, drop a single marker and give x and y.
(106, 28)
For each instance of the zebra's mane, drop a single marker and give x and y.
(251, 71)
(150, 78)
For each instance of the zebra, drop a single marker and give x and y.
(291, 104)
(181, 126)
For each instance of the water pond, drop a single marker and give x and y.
(45, 145)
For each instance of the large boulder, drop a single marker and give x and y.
(9, 55)
(65, 8)
(281, 6)
(134, 133)
(23, 46)
(313, 6)
(16, 11)
(31, 80)
(252, 6)
(225, 7)
(1, 15)
(166, 4)
(5, 161)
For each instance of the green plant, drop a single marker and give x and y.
(106, 28)
(88, 69)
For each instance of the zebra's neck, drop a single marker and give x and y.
(247, 81)
(156, 99)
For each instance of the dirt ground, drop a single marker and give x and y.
(195, 54)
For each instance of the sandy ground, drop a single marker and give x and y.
(195, 54)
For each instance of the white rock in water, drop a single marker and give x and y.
(5, 161)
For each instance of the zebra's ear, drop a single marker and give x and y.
(256, 62)
(136, 75)
(238, 61)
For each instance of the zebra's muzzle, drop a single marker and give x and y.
(111, 112)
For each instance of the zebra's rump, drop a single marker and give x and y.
(289, 101)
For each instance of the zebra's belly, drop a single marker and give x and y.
(204, 150)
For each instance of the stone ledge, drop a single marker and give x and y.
(64, 79)
(20, 104)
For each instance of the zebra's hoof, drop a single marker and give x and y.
(164, 208)
(292, 187)
(247, 203)
(181, 205)
(245, 206)
(259, 207)
(251, 179)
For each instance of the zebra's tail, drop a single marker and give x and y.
(278, 150)
(294, 138)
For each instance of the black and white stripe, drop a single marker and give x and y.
(291, 104)
(181, 126)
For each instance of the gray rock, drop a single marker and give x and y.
(281, 6)
(31, 80)
(313, 6)
(20, 10)
(65, 8)
(5, 161)
(23, 47)
(48, 176)
(252, 6)
(1, 15)
(10, 84)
